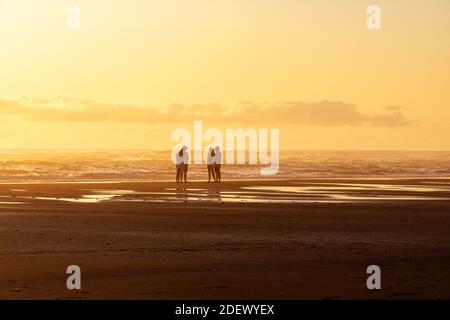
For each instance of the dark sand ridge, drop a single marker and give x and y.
(195, 245)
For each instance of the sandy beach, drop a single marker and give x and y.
(287, 239)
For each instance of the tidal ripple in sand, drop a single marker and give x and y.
(311, 192)
(376, 192)
(11, 202)
(82, 199)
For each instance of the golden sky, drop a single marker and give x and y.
(138, 69)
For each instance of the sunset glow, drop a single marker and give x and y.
(314, 71)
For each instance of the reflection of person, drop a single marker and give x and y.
(214, 194)
(179, 165)
(217, 164)
(210, 164)
(185, 164)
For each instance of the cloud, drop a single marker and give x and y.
(394, 108)
(390, 119)
(322, 113)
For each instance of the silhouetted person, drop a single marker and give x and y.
(218, 164)
(185, 164)
(210, 164)
(179, 166)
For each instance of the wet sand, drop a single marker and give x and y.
(309, 239)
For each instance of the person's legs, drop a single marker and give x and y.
(219, 174)
(217, 170)
(185, 172)
(211, 173)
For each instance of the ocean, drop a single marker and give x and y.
(45, 165)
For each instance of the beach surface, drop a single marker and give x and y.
(273, 239)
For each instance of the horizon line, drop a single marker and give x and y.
(169, 150)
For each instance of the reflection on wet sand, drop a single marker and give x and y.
(214, 194)
(83, 199)
(11, 202)
(249, 192)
